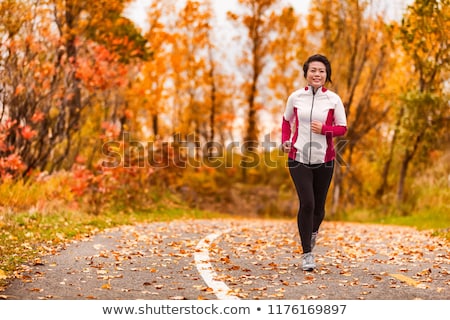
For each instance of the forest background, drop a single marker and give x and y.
(102, 123)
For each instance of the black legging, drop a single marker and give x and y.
(312, 183)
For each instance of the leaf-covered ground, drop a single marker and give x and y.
(254, 259)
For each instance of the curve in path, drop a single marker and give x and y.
(205, 269)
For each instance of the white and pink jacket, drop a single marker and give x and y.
(302, 108)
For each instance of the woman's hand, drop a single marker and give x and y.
(316, 127)
(286, 146)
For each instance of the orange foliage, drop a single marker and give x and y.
(38, 116)
(101, 70)
(11, 163)
(28, 133)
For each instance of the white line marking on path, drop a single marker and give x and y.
(206, 270)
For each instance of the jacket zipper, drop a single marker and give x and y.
(310, 131)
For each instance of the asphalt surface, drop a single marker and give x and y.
(241, 259)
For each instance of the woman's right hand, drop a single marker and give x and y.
(286, 146)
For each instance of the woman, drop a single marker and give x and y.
(313, 116)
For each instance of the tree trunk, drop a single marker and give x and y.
(401, 180)
(155, 124)
(407, 157)
(212, 116)
(387, 166)
(336, 190)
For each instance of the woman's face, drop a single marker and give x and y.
(316, 75)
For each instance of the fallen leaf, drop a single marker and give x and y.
(106, 286)
(424, 272)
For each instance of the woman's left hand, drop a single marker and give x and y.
(316, 127)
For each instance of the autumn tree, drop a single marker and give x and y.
(199, 90)
(27, 82)
(47, 86)
(220, 89)
(256, 25)
(191, 41)
(286, 74)
(149, 91)
(359, 45)
(102, 23)
(255, 22)
(423, 115)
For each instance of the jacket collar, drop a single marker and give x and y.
(310, 88)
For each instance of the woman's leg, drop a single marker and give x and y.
(322, 178)
(302, 176)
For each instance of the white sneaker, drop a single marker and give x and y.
(313, 240)
(308, 262)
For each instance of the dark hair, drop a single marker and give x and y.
(320, 58)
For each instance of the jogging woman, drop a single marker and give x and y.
(313, 116)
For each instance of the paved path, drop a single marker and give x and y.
(241, 259)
